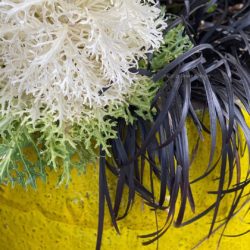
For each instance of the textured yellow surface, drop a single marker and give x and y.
(66, 218)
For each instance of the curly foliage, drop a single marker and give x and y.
(176, 42)
(55, 144)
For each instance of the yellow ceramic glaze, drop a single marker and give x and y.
(66, 218)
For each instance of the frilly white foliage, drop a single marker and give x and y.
(70, 58)
(65, 76)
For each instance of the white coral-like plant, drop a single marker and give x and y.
(70, 57)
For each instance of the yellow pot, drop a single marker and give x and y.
(66, 218)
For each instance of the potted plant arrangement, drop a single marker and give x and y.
(135, 90)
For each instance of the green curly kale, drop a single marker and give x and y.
(175, 44)
(55, 145)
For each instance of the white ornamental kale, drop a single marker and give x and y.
(67, 58)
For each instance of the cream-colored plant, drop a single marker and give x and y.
(67, 58)
(66, 75)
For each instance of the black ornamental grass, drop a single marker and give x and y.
(213, 76)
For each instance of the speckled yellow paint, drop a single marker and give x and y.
(66, 218)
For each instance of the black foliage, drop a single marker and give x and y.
(214, 75)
